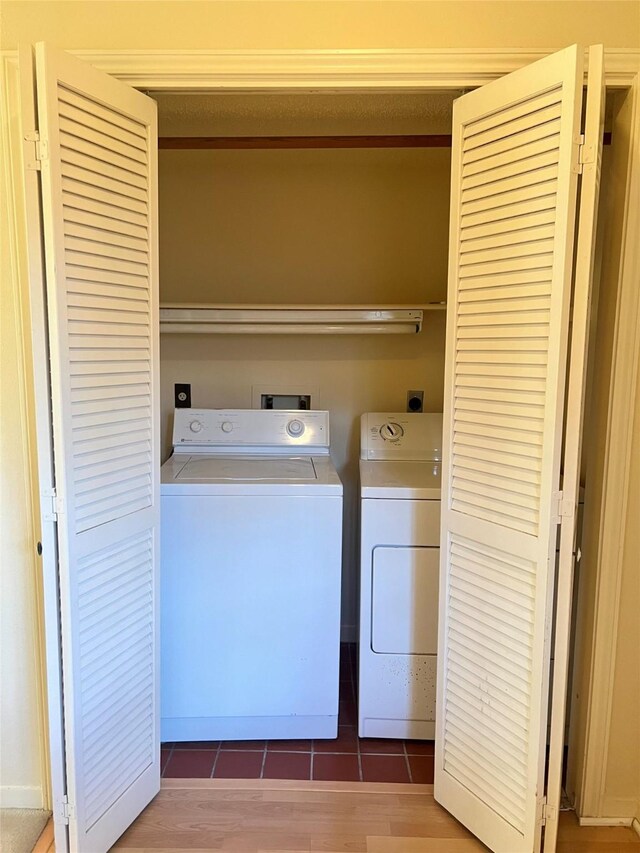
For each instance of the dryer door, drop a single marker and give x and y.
(404, 588)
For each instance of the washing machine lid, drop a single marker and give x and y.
(247, 468)
(400, 480)
(248, 474)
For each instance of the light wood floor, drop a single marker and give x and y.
(264, 816)
(45, 843)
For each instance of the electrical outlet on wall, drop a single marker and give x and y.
(182, 395)
(415, 400)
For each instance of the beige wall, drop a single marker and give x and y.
(21, 743)
(313, 24)
(621, 792)
(304, 226)
(20, 729)
(343, 226)
(229, 25)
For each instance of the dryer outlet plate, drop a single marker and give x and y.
(415, 401)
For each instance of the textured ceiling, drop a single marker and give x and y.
(300, 113)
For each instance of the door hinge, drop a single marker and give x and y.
(546, 812)
(67, 811)
(579, 155)
(51, 505)
(561, 508)
(36, 151)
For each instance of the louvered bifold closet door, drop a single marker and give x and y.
(514, 187)
(99, 187)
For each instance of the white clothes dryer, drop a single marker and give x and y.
(400, 457)
(251, 576)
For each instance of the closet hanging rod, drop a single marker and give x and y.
(291, 142)
(290, 320)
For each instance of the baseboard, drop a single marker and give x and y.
(348, 634)
(605, 821)
(20, 797)
(635, 825)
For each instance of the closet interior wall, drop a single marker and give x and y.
(315, 226)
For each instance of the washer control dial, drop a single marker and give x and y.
(391, 431)
(195, 426)
(227, 427)
(295, 428)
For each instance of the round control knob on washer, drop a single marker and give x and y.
(295, 428)
(227, 426)
(195, 426)
(391, 431)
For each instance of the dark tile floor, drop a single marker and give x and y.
(345, 759)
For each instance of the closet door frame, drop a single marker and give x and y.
(362, 70)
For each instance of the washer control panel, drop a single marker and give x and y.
(401, 436)
(251, 430)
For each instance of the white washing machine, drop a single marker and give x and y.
(400, 456)
(251, 575)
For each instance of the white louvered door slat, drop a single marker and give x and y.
(513, 207)
(99, 180)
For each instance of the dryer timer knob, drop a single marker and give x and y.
(391, 431)
(195, 426)
(227, 426)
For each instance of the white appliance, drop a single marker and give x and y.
(400, 457)
(251, 575)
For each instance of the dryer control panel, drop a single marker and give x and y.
(270, 431)
(401, 436)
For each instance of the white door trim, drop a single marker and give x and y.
(329, 69)
(414, 70)
(343, 69)
(612, 512)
